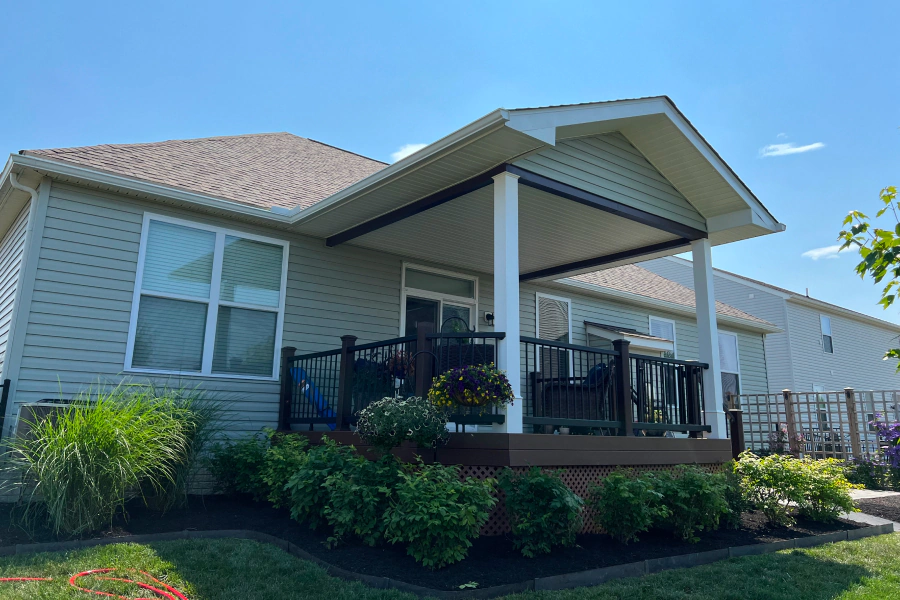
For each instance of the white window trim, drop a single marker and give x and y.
(652, 318)
(537, 312)
(737, 354)
(417, 293)
(823, 334)
(212, 302)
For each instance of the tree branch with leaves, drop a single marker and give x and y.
(879, 248)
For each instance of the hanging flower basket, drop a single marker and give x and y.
(472, 386)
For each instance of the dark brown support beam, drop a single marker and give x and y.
(446, 195)
(532, 180)
(603, 260)
(564, 190)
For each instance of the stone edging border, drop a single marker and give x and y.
(556, 582)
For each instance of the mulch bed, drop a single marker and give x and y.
(886, 508)
(491, 561)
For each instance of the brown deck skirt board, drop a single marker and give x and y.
(521, 450)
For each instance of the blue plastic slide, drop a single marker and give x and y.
(309, 389)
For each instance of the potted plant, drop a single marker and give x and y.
(474, 386)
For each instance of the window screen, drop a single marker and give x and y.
(553, 319)
(827, 340)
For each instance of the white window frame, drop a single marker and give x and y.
(822, 331)
(417, 293)
(737, 354)
(537, 312)
(652, 318)
(213, 302)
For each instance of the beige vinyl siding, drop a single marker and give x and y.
(857, 358)
(77, 329)
(12, 247)
(78, 326)
(608, 165)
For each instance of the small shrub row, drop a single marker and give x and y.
(686, 501)
(777, 484)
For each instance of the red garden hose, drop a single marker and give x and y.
(169, 593)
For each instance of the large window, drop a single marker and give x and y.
(729, 363)
(827, 340)
(207, 301)
(439, 297)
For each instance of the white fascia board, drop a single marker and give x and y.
(826, 307)
(45, 165)
(671, 307)
(528, 119)
(740, 218)
(414, 161)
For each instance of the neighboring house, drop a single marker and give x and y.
(822, 347)
(196, 261)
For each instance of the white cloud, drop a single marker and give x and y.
(781, 136)
(826, 252)
(405, 150)
(788, 148)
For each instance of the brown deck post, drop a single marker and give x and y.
(694, 401)
(345, 383)
(791, 418)
(624, 408)
(424, 359)
(853, 422)
(736, 417)
(287, 389)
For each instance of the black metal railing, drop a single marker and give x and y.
(667, 394)
(332, 387)
(569, 385)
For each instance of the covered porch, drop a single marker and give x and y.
(537, 195)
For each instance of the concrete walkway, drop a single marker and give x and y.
(865, 519)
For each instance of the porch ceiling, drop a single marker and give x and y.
(552, 231)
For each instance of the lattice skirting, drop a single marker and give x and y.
(579, 480)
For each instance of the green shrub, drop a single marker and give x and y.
(236, 466)
(774, 484)
(309, 496)
(626, 504)
(284, 457)
(826, 493)
(389, 422)
(542, 511)
(87, 460)
(359, 498)
(437, 515)
(735, 497)
(695, 500)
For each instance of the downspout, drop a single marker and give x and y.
(29, 227)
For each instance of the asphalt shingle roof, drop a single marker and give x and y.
(263, 170)
(637, 280)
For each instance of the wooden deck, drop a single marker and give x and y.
(524, 450)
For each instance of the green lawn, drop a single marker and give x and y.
(245, 570)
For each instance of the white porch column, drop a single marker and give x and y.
(506, 290)
(708, 333)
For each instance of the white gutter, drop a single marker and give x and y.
(22, 188)
(667, 306)
(423, 157)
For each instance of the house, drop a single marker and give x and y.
(821, 346)
(237, 263)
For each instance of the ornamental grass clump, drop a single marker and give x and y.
(481, 386)
(84, 462)
(389, 422)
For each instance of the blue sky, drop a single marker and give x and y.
(373, 77)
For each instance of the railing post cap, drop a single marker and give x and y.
(288, 351)
(348, 337)
(848, 388)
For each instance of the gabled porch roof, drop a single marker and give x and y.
(601, 185)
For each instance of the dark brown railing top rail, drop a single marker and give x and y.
(488, 335)
(671, 361)
(301, 357)
(391, 342)
(565, 346)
